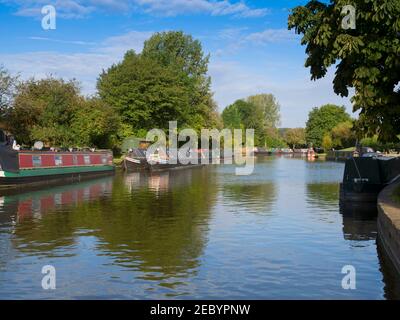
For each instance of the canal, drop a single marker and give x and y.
(194, 234)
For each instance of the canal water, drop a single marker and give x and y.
(194, 234)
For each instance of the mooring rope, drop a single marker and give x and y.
(358, 171)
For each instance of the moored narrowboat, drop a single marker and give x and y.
(365, 177)
(20, 167)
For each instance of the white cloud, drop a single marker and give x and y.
(75, 42)
(297, 95)
(271, 36)
(84, 67)
(216, 8)
(81, 8)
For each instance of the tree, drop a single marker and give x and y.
(322, 120)
(244, 115)
(272, 139)
(295, 137)
(7, 91)
(343, 135)
(167, 82)
(181, 52)
(53, 111)
(95, 124)
(327, 143)
(270, 108)
(367, 57)
(44, 110)
(144, 93)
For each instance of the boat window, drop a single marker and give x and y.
(36, 161)
(75, 159)
(86, 159)
(104, 159)
(58, 160)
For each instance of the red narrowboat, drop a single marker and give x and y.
(37, 166)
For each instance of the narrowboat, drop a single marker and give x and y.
(24, 167)
(365, 177)
(138, 160)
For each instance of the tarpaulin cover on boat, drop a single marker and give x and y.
(8, 159)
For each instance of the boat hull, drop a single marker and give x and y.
(50, 176)
(134, 165)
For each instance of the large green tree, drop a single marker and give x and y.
(95, 124)
(168, 81)
(322, 120)
(270, 108)
(44, 110)
(367, 58)
(245, 115)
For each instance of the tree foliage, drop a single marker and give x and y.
(95, 124)
(44, 110)
(295, 137)
(322, 120)
(270, 109)
(53, 111)
(261, 113)
(343, 135)
(7, 89)
(367, 58)
(167, 82)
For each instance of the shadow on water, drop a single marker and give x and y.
(359, 221)
(360, 224)
(391, 277)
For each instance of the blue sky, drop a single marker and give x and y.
(251, 49)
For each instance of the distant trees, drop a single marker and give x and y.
(367, 58)
(322, 120)
(258, 112)
(295, 137)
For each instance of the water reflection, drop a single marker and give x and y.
(163, 230)
(153, 225)
(323, 194)
(359, 221)
(201, 233)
